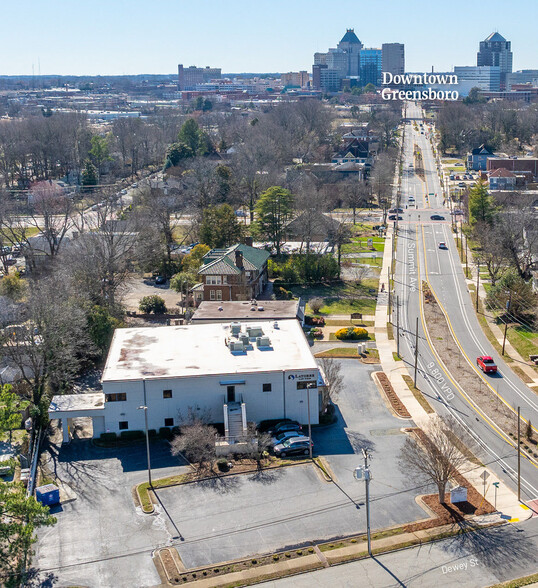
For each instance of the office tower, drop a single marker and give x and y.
(351, 45)
(370, 66)
(189, 77)
(484, 77)
(393, 58)
(495, 51)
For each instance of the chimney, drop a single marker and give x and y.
(248, 241)
(239, 259)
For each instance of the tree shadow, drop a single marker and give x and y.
(220, 484)
(37, 579)
(267, 476)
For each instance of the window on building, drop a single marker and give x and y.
(212, 295)
(123, 425)
(267, 387)
(167, 393)
(219, 294)
(119, 397)
(305, 385)
(213, 280)
(169, 422)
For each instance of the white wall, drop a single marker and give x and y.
(209, 392)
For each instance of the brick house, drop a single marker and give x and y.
(501, 179)
(236, 273)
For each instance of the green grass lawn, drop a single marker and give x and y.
(339, 352)
(341, 297)
(376, 261)
(525, 341)
(360, 245)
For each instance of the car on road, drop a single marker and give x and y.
(293, 446)
(462, 184)
(281, 437)
(486, 364)
(393, 217)
(442, 245)
(284, 426)
(394, 210)
(437, 217)
(160, 280)
(457, 211)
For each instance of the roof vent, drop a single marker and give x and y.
(275, 325)
(261, 308)
(221, 309)
(253, 308)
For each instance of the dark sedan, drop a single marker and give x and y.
(437, 217)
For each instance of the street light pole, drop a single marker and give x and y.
(367, 480)
(145, 409)
(308, 388)
(416, 356)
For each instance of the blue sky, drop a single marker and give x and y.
(153, 36)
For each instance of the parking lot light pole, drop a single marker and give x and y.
(309, 387)
(145, 409)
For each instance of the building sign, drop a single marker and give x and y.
(302, 377)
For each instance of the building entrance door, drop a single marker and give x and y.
(230, 394)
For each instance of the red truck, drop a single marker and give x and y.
(486, 364)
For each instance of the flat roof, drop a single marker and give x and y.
(77, 402)
(201, 350)
(244, 310)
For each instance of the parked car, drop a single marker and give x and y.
(284, 426)
(486, 364)
(393, 217)
(458, 211)
(437, 217)
(281, 437)
(462, 184)
(293, 446)
(160, 280)
(396, 210)
(442, 245)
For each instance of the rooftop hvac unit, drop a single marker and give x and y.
(254, 332)
(263, 341)
(235, 328)
(244, 339)
(236, 346)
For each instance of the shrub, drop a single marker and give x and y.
(165, 433)
(152, 433)
(222, 464)
(108, 437)
(351, 334)
(315, 304)
(317, 333)
(132, 435)
(152, 304)
(315, 321)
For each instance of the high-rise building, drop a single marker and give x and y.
(351, 45)
(189, 77)
(370, 66)
(393, 58)
(338, 63)
(495, 51)
(295, 78)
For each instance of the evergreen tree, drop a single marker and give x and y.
(89, 175)
(481, 206)
(220, 227)
(274, 209)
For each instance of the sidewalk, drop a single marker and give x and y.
(508, 507)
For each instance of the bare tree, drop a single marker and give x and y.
(381, 180)
(333, 379)
(433, 456)
(357, 195)
(196, 441)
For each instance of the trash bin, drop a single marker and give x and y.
(48, 494)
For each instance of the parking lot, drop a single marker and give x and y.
(101, 538)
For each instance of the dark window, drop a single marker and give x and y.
(119, 397)
(305, 385)
(267, 387)
(167, 393)
(169, 422)
(124, 425)
(230, 394)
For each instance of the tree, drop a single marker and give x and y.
(197, 140)
(152, 304)
(514, 294)
(333, 379)
(381, 180)
(219, 227)
(519, 238)
(90, 176)
(315, 304)
(492, 253)
(99, 152)
(274, 210)
(193, 260)
(357, 195)
(20, 516)
(196, 441)
(176, 153)
(13, 286)
(432, 455)
(11, 407)
(101, 326)
(481, 206)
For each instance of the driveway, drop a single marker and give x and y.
(100, 539)
(137, 288)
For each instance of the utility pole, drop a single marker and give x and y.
(466, 266)
(519, 453)
(398, 325)
(506, 319)
(308, 388)
(358, 474)
(477, 283)
(416, 356)
(145, 409)
(388, 288)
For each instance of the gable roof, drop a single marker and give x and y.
(501, 172)
(495, 38)
(482, 150)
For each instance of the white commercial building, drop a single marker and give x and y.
(256, 370)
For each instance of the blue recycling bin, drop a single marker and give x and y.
(48, 494)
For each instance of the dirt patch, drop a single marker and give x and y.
(396, 404)
(463, 374)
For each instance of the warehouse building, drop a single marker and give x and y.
(258, 370)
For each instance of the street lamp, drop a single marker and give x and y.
(145, 409)
(358, 474)
(309, 387)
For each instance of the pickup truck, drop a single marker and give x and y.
(486, 364)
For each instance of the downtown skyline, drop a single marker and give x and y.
(119, 38)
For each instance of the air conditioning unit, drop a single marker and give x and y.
(235, 346)
(235, 328)
(263, 341)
